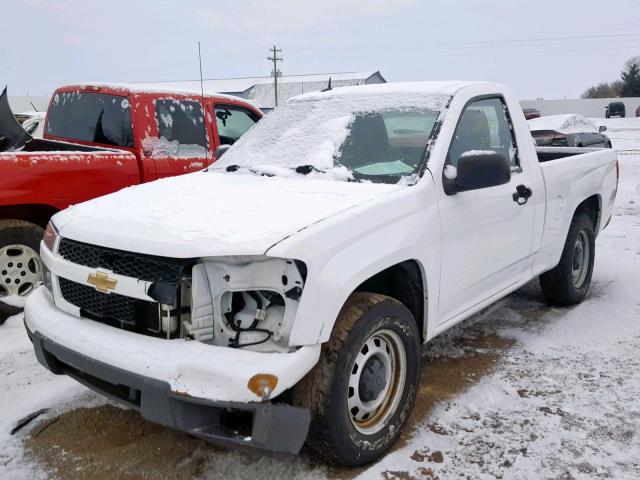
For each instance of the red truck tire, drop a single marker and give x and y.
(20, 264)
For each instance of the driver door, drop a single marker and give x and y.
(486, 235)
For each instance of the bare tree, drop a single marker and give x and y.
(603, 90)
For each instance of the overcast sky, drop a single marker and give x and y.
(540, 48)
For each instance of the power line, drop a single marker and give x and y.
(275, 59)
(472, 54)
(620, 36)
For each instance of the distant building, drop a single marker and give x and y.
(28, 104)
(260, 89)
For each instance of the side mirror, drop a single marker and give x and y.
(477, 169)
(602, 129)
(221, 150)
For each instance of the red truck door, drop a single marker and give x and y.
(177, 138)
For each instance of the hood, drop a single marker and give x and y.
(210, 214)
(12, 135)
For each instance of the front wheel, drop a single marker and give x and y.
(364, 386)
(568, 283)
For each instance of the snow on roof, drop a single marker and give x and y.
(570, 123)
(429, 88)
(161, 88)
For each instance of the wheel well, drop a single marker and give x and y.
(38, 214)
(592, 207)
(403, 282)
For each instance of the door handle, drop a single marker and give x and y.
(522, 194)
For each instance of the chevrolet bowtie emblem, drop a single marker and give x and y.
(102, 282)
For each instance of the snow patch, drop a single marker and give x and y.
(13, 301)
(571, 123)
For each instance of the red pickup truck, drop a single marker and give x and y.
(100, 138)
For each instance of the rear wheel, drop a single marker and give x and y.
(568, 283)
(363, 389)
(20, 264)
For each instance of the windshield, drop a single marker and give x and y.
(91, 117)
(377, 138)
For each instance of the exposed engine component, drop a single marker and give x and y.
(243, 302)
(253, 317)
(198, 323)
(168, 318)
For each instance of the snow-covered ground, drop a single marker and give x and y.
(562, 402)
(623, 133)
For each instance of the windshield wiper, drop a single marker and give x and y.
(307, 169)
(235, 168)
(300, 169)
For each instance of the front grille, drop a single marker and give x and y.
(113, 309)
(143, 267)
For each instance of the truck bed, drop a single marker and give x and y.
(572, 174)
(59, 174)
(547, 154)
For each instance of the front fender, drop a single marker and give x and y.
(347, 249)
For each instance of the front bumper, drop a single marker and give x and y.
(187, 385)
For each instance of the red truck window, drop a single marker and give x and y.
(181, 130)
(91, 117)
(233, 122)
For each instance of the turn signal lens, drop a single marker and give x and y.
(263, 384)
(50, 236)
(47, 279)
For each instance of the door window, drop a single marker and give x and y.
(233, 122)
(485, 126)
(181, 130)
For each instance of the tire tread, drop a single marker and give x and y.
(556, 285)
(314, 389)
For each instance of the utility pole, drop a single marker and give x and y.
(275, 73)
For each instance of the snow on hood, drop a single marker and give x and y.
(563, 124)
(210, 214)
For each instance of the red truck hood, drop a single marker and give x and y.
(210, 214)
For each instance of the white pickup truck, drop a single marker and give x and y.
(284, 295)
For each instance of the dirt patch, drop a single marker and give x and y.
(444, 378)
(110, 443)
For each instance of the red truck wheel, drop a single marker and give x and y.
(20, 264)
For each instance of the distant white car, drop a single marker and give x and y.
(34, 125)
